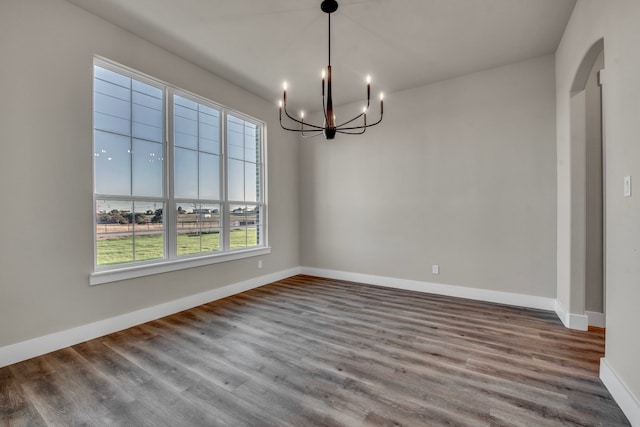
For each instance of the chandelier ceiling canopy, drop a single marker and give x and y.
(330, 126)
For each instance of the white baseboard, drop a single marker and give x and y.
(629, 403)
(596, 319)
(38, 346)
(500, 297)
(579, 322)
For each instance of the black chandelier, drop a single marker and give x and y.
(329, 127)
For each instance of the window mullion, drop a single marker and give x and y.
(171, 228)
(198, 150)
(131, 173)
(225, 216)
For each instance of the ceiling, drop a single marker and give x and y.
(258, 44)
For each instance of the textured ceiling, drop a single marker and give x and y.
(258, 44)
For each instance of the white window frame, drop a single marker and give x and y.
(171, 261)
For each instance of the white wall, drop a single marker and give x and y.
(47, 49)
(461, 173)
(617, 23)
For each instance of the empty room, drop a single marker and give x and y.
(319, 213)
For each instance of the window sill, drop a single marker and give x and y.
(107, 276)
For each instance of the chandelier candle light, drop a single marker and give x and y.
(329, 127)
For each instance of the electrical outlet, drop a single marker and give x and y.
(259, 263)
(435, 269)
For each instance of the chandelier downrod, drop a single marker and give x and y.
(329, 128)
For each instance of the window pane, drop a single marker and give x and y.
(198, 228)
(112, 77)
(197, 127)
(148, 230)
(147, 168)
(188, 241)
(184, 102)
(235, 137)
(147, 117)
(243, 142)
(209, 131)
(209, 111)
(236, 180)
(250, 155)
(149, 90)
(235, 124)
(251, 143)
(112, 114)
(112, 163)
(114, 232)
(210, 227)
(243, 226)
(185, 123)
(250, 182)
(112, 100)
(186, 174)
(253, 219)
(209, 146)
(148, 121)
(111, 124)
(209, 176)
(237, 227)
(235, 142)
(112, 90)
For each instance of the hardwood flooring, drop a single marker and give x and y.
(307, 351)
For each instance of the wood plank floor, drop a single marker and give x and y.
(307, 351)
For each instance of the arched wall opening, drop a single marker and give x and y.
(587, 269)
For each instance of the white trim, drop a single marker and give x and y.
(500, 297)
(625, 399)
(123, 273)
(596, 319)
(579, 322)
(38, 346)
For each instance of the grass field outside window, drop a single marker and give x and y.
(117, 250)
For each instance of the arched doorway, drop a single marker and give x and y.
(587, 190)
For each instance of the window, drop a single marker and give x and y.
(197, 178)
(243, 148)
(177, 178)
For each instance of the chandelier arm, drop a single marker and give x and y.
(361, 127)
(300, 122)
(379, 120)
(295, 130)
(352, 133)
(347, 122)
(361, 114)
(302, 130)
(311, 136)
